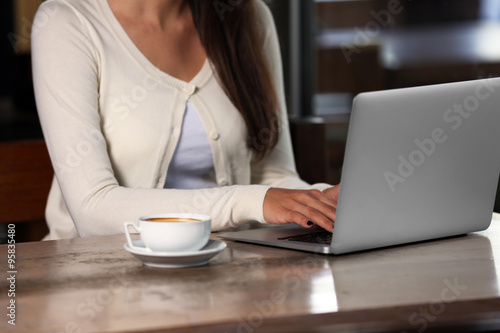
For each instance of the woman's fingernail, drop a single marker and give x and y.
(310, 223)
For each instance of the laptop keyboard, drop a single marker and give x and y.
(320, 237)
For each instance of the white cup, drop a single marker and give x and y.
(173, 232)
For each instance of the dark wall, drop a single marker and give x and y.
(6, 50)
(18, 116)
(440, 11)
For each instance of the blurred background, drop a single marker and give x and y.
(332, 50)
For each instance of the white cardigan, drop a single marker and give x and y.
(111, 121)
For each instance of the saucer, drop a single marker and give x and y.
(176, 260)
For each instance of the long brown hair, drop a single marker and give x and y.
(230, 36)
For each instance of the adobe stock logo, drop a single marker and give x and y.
(453, 118)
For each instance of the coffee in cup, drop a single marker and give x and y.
(171, 219)
(173, 232)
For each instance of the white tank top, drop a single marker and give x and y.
(192, 166)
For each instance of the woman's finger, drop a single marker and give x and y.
(316, 207)
(333, 193)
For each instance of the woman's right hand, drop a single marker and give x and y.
(283, 206)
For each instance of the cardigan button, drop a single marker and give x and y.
(214, 135)
(222, 181)
(188, 89)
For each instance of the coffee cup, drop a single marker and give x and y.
(173, 232)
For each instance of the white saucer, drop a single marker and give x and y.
(176, 260)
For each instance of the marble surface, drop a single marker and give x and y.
(94, 285)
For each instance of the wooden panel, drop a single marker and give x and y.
(310, 149)
(25, 177)
(346, 14)
(360, 13)
(441, 11)
(23, 17)
(351, 70)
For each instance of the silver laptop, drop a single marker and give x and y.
(420, 163)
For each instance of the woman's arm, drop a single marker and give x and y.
(66, 73)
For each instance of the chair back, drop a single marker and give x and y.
(25, 177)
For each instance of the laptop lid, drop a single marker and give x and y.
(420, 163)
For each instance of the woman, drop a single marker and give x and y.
(166, 106)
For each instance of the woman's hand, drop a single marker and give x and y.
(303, 207)
(333, 192)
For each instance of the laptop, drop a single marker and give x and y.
(420, 163)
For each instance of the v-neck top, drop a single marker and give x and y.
(192, 166)
(112, 122)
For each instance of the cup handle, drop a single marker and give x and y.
(127, 234)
